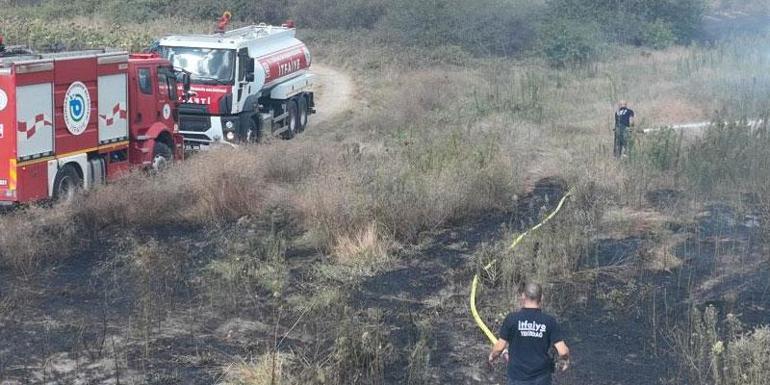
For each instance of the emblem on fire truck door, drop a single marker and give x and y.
(77, 108)
(166, 112)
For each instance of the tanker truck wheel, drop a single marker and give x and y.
(291, 120)
(67, 183)
(161, 157)
(303, 113)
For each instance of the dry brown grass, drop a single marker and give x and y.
(663, 254)
(367, 251)
(330, 208)
(622, 222)
(268, 369)
(211, 188)
(36, 236)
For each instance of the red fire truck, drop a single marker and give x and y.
(77, 119)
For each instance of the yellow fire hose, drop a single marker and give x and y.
(475, 283)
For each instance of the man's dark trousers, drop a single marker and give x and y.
(621, 140)
(542, 380)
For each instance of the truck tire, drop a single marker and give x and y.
(161, 156)
(67, 183)
(292, 120)
(303, 113)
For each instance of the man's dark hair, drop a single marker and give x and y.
(532, 291)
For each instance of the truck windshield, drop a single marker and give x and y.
(205, 65)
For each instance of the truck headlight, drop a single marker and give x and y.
(230, 135)
(229, 125)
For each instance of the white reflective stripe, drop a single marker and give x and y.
(113, 58)
(34, 67)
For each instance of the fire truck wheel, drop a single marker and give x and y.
(66, 183)
(161, 157)
(303, 113)
(291, 120)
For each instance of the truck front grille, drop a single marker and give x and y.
(188, 123)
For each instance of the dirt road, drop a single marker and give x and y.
(335, 93)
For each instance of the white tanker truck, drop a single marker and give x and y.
(245, 83)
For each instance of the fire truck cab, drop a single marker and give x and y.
(246, 83)
(77, 119)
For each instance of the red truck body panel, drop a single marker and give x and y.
(67, 72)
(209, 95)
(33, 182)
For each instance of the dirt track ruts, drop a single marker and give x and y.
(334, 92)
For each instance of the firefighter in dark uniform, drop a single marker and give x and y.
(526, 339)
(624, 120)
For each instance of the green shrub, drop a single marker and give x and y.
(746, 361)
(271, 11)
(657, 34)
(708, 354)
(636, 21)
(729, 154)
(59, 34)
(483, 26)
(335, 14)
(659, 150)
(128, 11)
(569, 42)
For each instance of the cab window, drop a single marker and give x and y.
(167, 83)
(245, 64)
(162, 84)
(145, 81)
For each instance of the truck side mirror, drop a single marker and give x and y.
(249, 77)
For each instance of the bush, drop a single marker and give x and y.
(71, 35)
(708, 356)
(746, 361)
(436, 181)
(636, 21)
(129, 11)
(251, 11)
(659, 150)
(484, 27)
(657, 34)
(730, 154)
(569, 42)
(335, 14)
